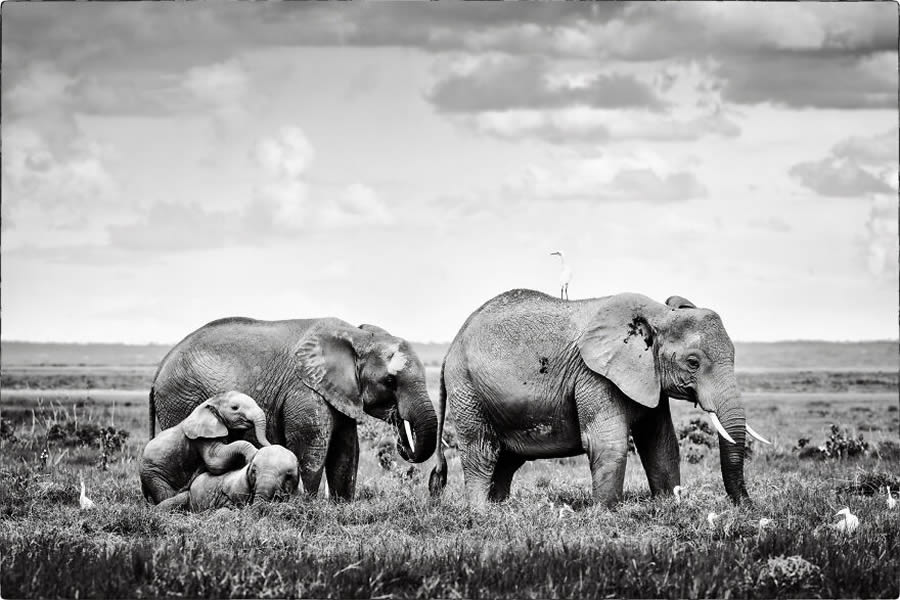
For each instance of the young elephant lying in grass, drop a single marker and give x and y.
(200, 442)
(273, 474)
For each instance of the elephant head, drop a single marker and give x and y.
(273, 474)
(228, 410)
(646, 349)
(367, 370)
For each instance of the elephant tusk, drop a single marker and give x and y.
(719, 428)
(757, 436)
(409, 435)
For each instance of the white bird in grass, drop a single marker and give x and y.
(850, 522)
(83, 501)
(677, 490)
(764, 522)
(711, 519)
(565, 275)
(891, 503)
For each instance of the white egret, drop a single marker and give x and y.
(764, 522)
(891, 503)
(565, 275)
(849, 523)
(83, 501)
(711, 519)
(677, 490)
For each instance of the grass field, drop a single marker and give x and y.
(546, 541)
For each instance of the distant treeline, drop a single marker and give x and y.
(791, 355)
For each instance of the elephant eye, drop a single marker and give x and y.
(693, 362)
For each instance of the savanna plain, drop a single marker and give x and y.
(73, 413)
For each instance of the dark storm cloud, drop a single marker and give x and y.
(524, 84)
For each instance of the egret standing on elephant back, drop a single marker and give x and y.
(565, 275)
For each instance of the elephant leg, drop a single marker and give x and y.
(606, 444)
(478, 447)
(156, 489)
(307, 435)
(657, 445)
(342, 460)
(180, 501)
(479, 458)
(507, 465)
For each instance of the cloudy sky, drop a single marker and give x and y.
(168, 164)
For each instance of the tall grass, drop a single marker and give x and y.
(547, 541)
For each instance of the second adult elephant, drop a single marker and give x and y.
(314, 378)
(530, 376)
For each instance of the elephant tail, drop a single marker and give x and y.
(438, 479)
(152, 415)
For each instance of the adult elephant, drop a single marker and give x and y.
(314, 378)
(530, 376)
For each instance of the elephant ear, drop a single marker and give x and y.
(327, 363)
(618, 344)
(203, 423)
(674, 302)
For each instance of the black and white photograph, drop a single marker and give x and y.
(451, 299)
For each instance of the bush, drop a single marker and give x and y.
(870, 484)
(791, 573)
(698, 432)
(7, 431)
(839, 445)
(71, 433)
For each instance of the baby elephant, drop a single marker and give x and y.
(200, 442)
(273, 474)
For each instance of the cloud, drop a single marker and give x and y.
(517, 83)
(176, 226)
(855, 167)
(812, 80)
(877, 150)
(606, 178)
(776, 224)
(220, 88)
(290, 203)
(46, 190)
(580, 124)
(356, 205)
(881, 239)
(838, 177)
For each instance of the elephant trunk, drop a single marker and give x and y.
(416, 426)
(727, 413)
(259, 426)
(267, 489)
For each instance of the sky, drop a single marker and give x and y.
(167, 164)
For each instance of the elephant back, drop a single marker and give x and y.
(236, 353)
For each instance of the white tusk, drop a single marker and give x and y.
(443, 441)
(409, 435)
(757, 436)
(719, 428)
